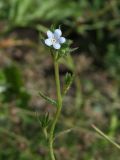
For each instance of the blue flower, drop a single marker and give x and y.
(55, 39)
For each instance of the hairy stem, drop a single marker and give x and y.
(58, 111)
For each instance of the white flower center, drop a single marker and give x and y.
(53, 40)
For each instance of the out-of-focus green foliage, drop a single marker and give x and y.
(12, 86)
(25, 12)
(112, 60)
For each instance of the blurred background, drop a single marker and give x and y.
(26, 68)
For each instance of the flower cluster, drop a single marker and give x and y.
(55, 39)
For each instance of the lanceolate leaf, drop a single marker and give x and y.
(73, 49)
(68, 81)
(48, 99)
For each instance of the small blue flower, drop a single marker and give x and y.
(55, 39)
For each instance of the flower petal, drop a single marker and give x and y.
(48, 42)
(56, 45)
(62, 40)
(57, 33)
(49, 34)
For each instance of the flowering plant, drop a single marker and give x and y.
(59, 47)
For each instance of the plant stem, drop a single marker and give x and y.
(58, 111)
(106, 137)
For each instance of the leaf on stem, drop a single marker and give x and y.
(68, 81)
(64, 132)
(48, 99)
(44, 121)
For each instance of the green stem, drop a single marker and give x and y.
(58, 111)
(106, 137)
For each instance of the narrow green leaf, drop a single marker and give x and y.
(64, 132)
(73, 49)
(44, 122)
(48, 99)
(68, 81)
